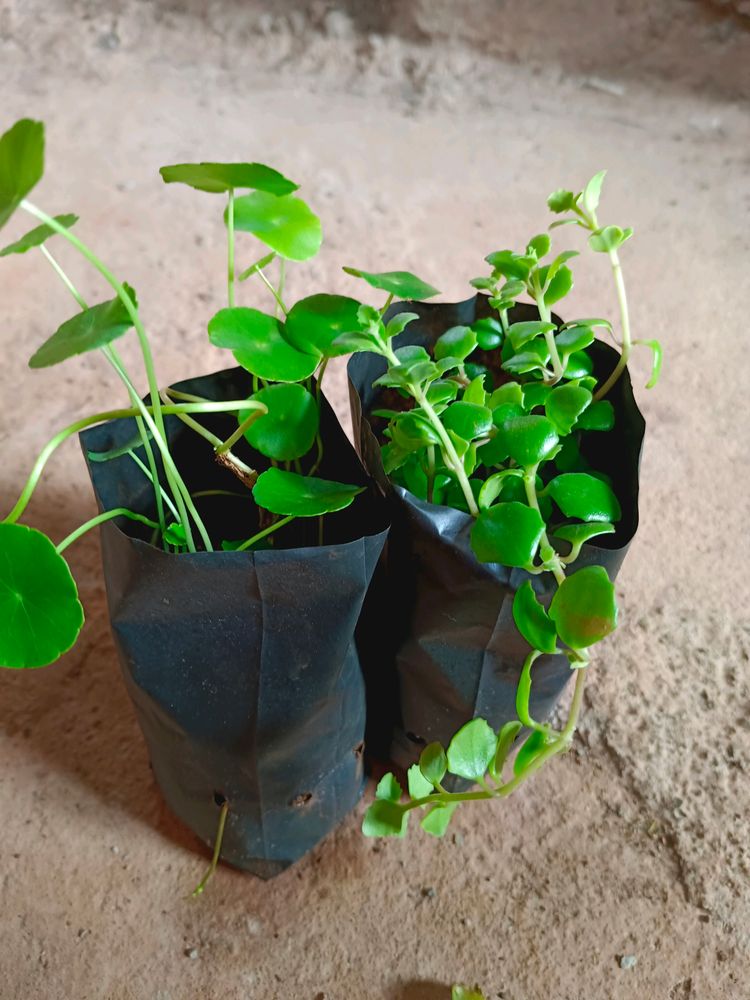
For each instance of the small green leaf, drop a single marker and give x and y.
(36, 237)
(90, 329)
(399, 322)
(580, 495)
(564, 404)
(539, 245)
(535, 355)
(579, 365)
(583, 608)
(403, 284)
(419, 786)
(471, 750)
(521, 333)
(288, 493)
(216, 178)
(505, 741)
(314, 323)
(574, 338)
(592, 192)
(258, 345)
(39, 608)
(493, 485)
(600, 416)
(350, 343)
(532, 746)
(609, 238)
(285, 223)
(511, 265)
(388, 788)
(489, 333)
(558, 262)
(535, 394)
(440, 393)
(385, 819)
(288, 430)
(438, 817)
(21, 164)
(508, 533)
(475, 391)
(511, 392)
(433, 763)
(578, 534)
(561, 201)
(458, 342)
(529, 439)
(412, 431)
(559, 285)
(174, 534)
(468, 420)
(532, 621)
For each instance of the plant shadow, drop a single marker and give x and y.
(77, 719)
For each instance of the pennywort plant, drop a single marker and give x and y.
(39, 604)
(491, 422)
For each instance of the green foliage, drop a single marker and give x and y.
(37, 236)
(39, 605)
(258, 344)
(287, 431)
(285, 223)
(532, 621)
(583, 608)
(289, 493)
(580, 495)
(471, 750)
(218, 178)
(21, 164)
(404, 284)
(88, 330)
(314, 324)
(508, 533)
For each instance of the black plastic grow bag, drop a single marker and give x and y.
(242, 665)
(453, 651)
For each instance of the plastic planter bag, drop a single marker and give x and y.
(453, 646)
(242, 665)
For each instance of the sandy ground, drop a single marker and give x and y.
(423, 157)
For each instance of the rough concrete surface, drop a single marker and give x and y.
(424, 148)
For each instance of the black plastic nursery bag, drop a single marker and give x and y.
(453, 643)
(242, 665)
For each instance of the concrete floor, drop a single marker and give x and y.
(420, 156)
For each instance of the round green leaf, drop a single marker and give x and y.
(256, 340)
(559, 286)
(511, 392)
(532, 621)
(561, 201)
(21, 164)
(522, 333)
(579, 365)
(529, 439)
(221, 177)
(511, 265)
(37, 236)
(86, 331)
(583, 608)
(564, 404)
(288, 430)
(436, 821)
(288, 493)
(534, 394)
(458, 342)
(39, 608)
(468, 420)
(609, 238)
(411, 431)
(489, 333)
(508, 533)
(433, 763)
(600, 416)
(314, 323)
(539, 245)
(580, 495)
(574, 338)
(286, 223)
(471, 750)
(419, 786)
(385, 819)
(402, 284)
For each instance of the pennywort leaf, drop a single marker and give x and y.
(37, 236)
(471, 750)
(288, 430)
(402, 284)
(217, 178)
(258, 344)
(87, 330)
(315, 323)
(21, 164)
(287, 493)
(285, 223)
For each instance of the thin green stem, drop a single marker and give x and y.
(217, 851)
(257, 410)
(319, 377)
(282, 277)
(263, 262)
(99, 418)
(273, 291)
(626, 345)
(157, 485)
(112, 354)
(545, 315)
(266, 531)
(230, 249)
(100, 519)
(430, 472)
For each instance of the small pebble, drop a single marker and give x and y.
(191, 953)
(429, 892)
(115, 849)
(628, 961)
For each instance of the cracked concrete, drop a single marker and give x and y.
(424, 141)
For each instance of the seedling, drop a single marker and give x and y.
(491, 422)
(39, 604)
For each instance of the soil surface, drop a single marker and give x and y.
(426, 135)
